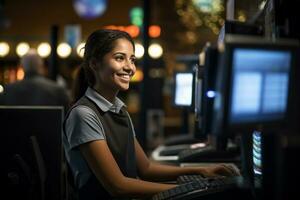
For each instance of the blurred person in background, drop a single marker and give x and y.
(102, 151)
(35, 88)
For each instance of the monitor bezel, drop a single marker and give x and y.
(198, 82)
(209, 83)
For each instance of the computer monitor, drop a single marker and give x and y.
(183, 89)
(253, 93)
(254, 81)
(207, 91)
(31, 146)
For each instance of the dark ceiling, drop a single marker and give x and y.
(31, 20)
(35, 17)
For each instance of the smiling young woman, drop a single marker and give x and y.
(116, 69)
(101, 149)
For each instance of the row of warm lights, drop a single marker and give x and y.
(43, 49)
(155, 50)
(64, 50)
(18, 74)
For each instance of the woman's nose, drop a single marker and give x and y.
(129, 65)
(130, 68)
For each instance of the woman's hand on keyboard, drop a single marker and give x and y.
(219, 170)
(233, 169)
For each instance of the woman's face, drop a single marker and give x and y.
(117, 67)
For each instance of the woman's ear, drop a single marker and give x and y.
(91, 70)
(93, 64)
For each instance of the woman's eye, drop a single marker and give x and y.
(119, 58)
(133, 60)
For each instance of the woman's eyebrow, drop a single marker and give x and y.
(124, 54)
(119, 53)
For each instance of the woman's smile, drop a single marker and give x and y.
(124, 77)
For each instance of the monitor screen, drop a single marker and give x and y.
(183, 93)
(259, 85)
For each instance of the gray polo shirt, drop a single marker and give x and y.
(82, 126)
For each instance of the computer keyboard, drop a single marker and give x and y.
(179, 191)
(190, 178)
(198, 187)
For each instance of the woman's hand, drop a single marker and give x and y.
(219, 170)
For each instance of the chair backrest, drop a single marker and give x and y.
(44, 155)
(40, 165)
(19, 179)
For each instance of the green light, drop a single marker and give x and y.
(136, 16)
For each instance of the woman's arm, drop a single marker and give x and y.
(107, 171)
(157, 172)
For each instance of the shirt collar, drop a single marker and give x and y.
(104, 104)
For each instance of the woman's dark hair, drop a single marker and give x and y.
(98, 44)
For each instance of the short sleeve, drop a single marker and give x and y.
(83, 126)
